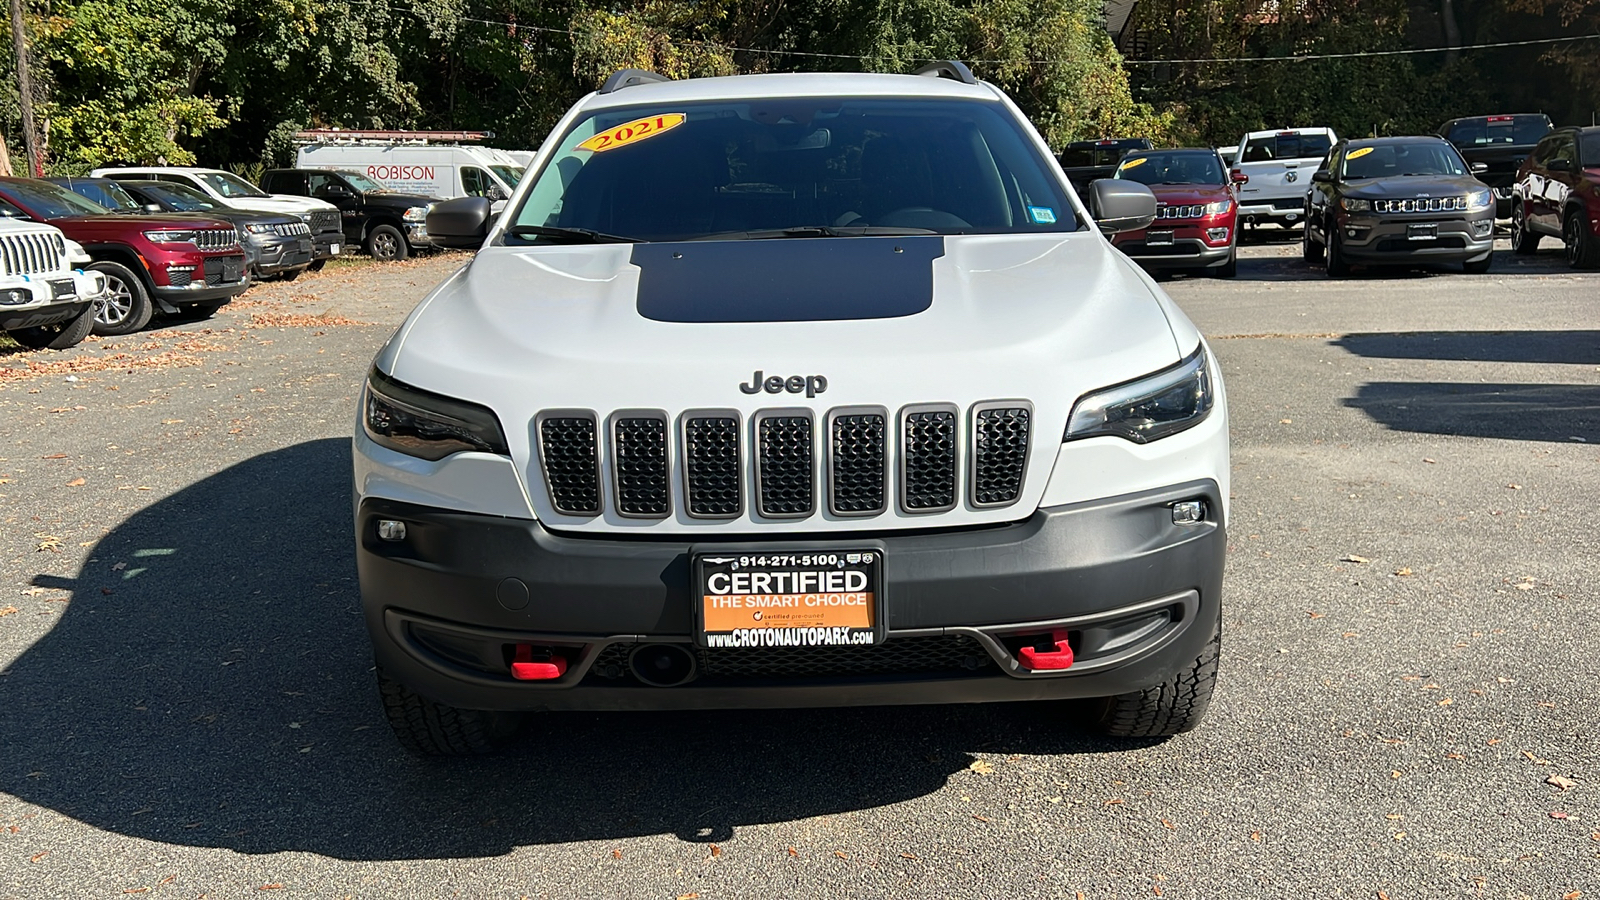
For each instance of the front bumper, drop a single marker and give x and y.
(1182, 253)
(47, 299)
(417, 235)
(206, 279)
(1284, 211)
(274, 254)
(327, 245)
(1384, 238)
(1139, 595)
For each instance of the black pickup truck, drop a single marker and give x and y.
(1499, 142)
(1087, 161)
(387, 223)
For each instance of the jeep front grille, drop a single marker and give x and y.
(858, 462)
(290, 229)
(216, 238)
(33, 254)
(325, 220)
(641, 466)
(999, 452)
(848, 464)
(1179, 212)
(785, 464)
(1421, 204)
(570, 453)
(711, 470)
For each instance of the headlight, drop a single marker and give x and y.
(1150, 408)
(170, 236)
(426, 425)
(258, 227)
(416, 214)
(1352, 204)
(1478, 201)
(76, 255)
(1219, 207)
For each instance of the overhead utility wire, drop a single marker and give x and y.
(1127, 62)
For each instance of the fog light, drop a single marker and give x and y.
(1482, 229)
(1188, 512)
(390, 530)
(1349, 232)
(14, 298)
(1217, 235)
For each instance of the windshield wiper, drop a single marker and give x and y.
(810, 231)
(571, 235)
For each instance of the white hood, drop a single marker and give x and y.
(283, 204)
(1044, 318)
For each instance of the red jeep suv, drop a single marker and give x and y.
(1196, 212)
(184, 262)
(1558, 194)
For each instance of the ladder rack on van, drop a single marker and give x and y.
(376, 138)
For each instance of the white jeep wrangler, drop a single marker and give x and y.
(47, 300)
(791, 390)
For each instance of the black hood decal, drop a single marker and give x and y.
(787, 279)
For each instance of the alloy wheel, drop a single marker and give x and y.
(384, 246)
(1572, 237)
(117, 305)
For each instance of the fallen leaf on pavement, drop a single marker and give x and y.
(1561, 781)
(1403, 571)
(982, 767)
(982, 818)
(616, 854)
(7, 610)
(694, 895)
(793, 852)
(1351, 557)
(1558, 814)
(841, 854)
(1315, 615)
(1255, 836)
(76, 482)
(910, 856)
(1572, 895)
(38, 856)
(55, 456)
(715, 850)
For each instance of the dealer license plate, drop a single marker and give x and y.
(802, 598)
(1424, 232)
(334, 249)
(1158, 238)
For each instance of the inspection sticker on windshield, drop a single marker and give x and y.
(632, 132)
(1042, 215)
(1358, 153)
(774, 598)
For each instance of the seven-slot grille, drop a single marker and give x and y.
(1421, 204)
(216, 238)
(33, 254)
(326, 220)
(570, 452)
(791, 460)
(290, 229)
(1180, 212)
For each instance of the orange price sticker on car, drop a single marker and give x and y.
(632, 132)
(1137, 161)
(1360, 152)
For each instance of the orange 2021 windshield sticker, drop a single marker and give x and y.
(632, 132)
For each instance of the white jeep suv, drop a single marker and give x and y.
(47, 300)
(791, 390)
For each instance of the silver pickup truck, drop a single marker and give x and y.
(1279, 165)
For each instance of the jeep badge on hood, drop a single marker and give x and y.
(777, 384)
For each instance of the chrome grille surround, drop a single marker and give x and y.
(998, 460)
(569, 458)
(1421, 204)
(290, 229)
(1179, 212)
(857, 459)
(713, 471)
(930, 447)
(785, 463)
(641, 463)
(216, 238)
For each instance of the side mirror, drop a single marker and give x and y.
(1121, 205)
(495, 193)
(461, 223)
(153, 208)
(1238, 177)
(1478, 168)
(1322, 176)
(1560, 165)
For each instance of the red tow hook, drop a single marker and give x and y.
(1059, 658)
(525, 668)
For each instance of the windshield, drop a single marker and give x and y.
(226, 184)
(509, 174)
(751, 168)
(179, 196)
(52, 201)
(106, 193)
(1491, 130)
(1390, 160)
(1173, 167)
(1078, 158)
(1589, 151)
(362, 183)
(1287, 145)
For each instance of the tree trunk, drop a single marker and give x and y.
(5, 158)
(1452, 31)
(30, 135)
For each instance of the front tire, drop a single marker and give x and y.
(427, 727)
(59, 335)
(1478, 267)
(126, 307)
(1172, 707)
(1583, 250)
(1310, 251)
(1230, 268)
(386, 244)
(1524, 240)
(1335, 263)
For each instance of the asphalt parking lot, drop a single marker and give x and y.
(1407, 706)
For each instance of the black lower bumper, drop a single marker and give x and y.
(1182, 253)
(282, 255)
(1138, 595)
(35, 316)
(323, 244)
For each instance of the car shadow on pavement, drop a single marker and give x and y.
(1563, 347)
(210, 684)
(1563, 413)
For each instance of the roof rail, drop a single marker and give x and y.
(948, 68)
(630, 77)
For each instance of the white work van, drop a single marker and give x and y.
(414, 165)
